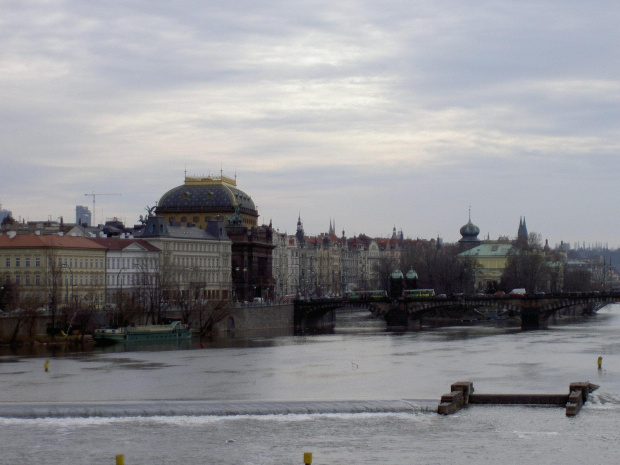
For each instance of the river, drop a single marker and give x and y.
(359, 395)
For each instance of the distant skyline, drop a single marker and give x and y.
(400, 114)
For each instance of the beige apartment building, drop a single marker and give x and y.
(46, 270)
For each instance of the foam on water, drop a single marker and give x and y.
(211, 409)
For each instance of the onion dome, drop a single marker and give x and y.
(469, 233)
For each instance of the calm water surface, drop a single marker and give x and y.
(360, 395)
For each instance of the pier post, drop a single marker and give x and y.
(414, 323)
(532, 319)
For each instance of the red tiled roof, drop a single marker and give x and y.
(32, 241)
(112, 243)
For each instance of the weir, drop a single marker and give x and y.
(462, 394)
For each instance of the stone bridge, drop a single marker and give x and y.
(534, 311)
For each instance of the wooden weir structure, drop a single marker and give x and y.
(462, 394)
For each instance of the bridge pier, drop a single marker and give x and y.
(309, 318)
(414, 323)
(532, 319)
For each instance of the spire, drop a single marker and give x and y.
(301, 240)
(332, 227)
(522, 232)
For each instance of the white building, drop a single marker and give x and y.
(192, 258)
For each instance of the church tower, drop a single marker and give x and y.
(301, 240)
(332, 227)
(522, 234)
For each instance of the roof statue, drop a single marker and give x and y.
(236, 219)
(150, 212)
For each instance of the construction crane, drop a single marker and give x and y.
(94, 196)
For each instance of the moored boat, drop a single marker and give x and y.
(143, 333)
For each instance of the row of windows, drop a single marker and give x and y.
(186, 261)
(27, 262)
(131, 263)
(129, 279)
(28, 279)
(194, 247)
(18, 262)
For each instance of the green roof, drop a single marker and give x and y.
(488, 250)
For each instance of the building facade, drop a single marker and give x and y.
(194, 263)
(54, 271)
(132, 267)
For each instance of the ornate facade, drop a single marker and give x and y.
(203, 200)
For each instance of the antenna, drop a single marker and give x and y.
(94, 196)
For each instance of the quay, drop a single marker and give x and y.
(462, 394)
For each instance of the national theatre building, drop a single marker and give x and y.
(203, 200)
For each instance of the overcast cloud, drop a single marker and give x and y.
(403, 113)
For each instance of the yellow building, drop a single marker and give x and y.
(202, 199)
(54, 270)
(490, 259)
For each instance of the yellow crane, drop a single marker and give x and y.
(94, 196)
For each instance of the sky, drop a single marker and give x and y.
(373, 115)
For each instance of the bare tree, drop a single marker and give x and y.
(383, 269)
(527, 266)
(438, 266)
(23, 307)
(210, 313)
(54, 285)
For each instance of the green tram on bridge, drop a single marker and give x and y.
(365, 295)
(418, 293)
(382, 295)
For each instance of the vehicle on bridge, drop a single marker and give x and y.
(418, 293)
(365, 295)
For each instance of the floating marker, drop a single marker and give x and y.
(120, 460)
(600, 363)
(307, 458)
(47, 365)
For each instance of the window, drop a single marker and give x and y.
(17, 262)
(8, 262)
(37, 279)
(17, 279)
(27, 280)
(37, 261)
(27, 262)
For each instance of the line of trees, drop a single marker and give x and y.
(530, 265)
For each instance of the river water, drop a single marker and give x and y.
(359, 395)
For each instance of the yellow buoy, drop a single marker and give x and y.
(120, 460)
(600, 363)
(307, 458)
(47, 365)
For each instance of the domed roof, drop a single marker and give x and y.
(470, 229)
(469, 232)
(205, 194)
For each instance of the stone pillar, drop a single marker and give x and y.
(532, 319)
(414, 323)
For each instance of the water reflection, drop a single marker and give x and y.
(347, 322)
